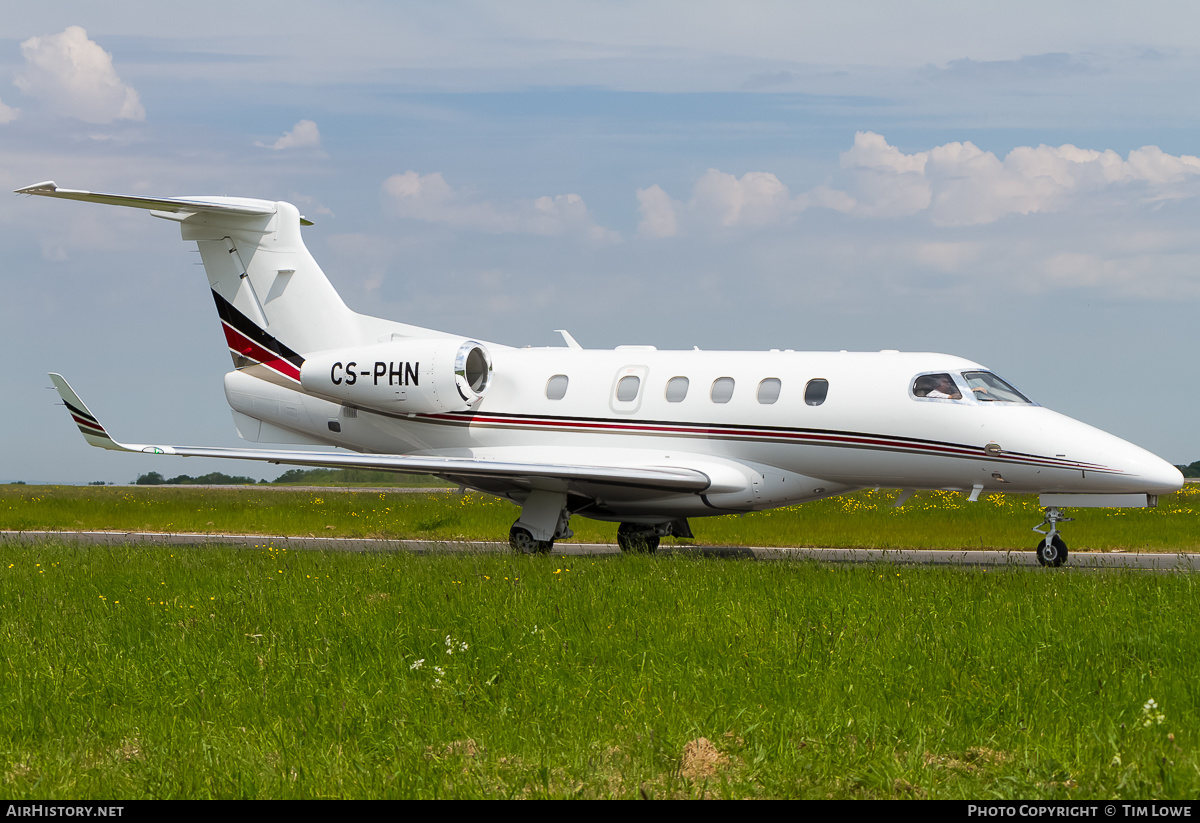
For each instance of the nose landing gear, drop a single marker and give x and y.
(1053, 550)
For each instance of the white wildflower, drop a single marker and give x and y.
(1151, 716)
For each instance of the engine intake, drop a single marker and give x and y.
(406, 375)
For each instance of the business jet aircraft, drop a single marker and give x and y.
(641, 437)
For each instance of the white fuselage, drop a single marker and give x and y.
(868, 430)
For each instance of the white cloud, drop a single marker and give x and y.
(955, 184)
(826, 198)
(7, 113)
(430, 198)
(755, 199)
(871, 151)
(888, 183)
(959, 184)
(659, 213)
(719, 199)
(73, 76)
(304, 135)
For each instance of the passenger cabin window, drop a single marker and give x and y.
(768, 390)
(722, 390)
(816, 391)
(936, 387)
(988, 388)
(677, 389)
(556, 387)
(627, 388)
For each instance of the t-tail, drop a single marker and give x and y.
(275, 304)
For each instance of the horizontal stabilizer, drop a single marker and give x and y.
(241, 206)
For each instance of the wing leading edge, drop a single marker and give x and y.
(666, 479)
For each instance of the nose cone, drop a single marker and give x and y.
(1094, 460)
(1156, 475)
(1130, 468)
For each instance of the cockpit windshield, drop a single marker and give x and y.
(984, 386)
(988, 388)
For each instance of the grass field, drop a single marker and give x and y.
(219, 672)
(935, 520)
(259, 673)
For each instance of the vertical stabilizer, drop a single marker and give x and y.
(275, 303)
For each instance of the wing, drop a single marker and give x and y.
(667, 479)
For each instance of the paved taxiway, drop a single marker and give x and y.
(1089, 560)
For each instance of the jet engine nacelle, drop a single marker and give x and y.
(404, 375)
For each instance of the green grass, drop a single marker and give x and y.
(938, 520)
(214, 672)
(356, 478)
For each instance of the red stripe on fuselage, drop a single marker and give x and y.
(798, 436)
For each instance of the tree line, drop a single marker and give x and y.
(293, 477)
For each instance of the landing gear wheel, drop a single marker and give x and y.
(635, 539)
(1052, 551)
(522, 541)
(1052, 554)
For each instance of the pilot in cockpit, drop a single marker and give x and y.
(938, 386)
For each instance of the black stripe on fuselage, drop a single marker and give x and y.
(729, 432)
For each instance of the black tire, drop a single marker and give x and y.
(522, 541)
(635, 539)
(1054, 554)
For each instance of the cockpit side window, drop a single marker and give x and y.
(988, 388)
(936, 387)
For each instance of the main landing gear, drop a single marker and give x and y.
(636, 538)
(633, 538)
(523, 541)
(544, 519)
(1053, 550)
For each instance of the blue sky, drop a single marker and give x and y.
(1016, 184)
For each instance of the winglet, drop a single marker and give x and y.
(89, 426)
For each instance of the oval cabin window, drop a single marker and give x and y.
(816, 391)
(556, 387)
(768, 390)
(677, 389)
(627, 388)
(722, 389)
